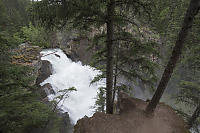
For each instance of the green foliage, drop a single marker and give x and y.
(64, 93)
(135, 51)
(189, 93)
(3, 16)
(15, 25)
(49, 13)
(166, 20)
(35, 35)
(20, 108)
(100, 100)
(13, 14)
(97, 78)
(189, 90)
(134, 58)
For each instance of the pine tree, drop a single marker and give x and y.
(189, 95)
(189, 91)
(88, 14)
(20, 106)
(187, 24)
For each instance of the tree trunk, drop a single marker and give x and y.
(109, 67)
(195, 115)
(114, 87)
(187, 24)
(115, 82)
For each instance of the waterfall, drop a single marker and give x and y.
(68, 74)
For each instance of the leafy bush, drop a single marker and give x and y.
(35, 35)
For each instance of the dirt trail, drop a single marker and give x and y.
(133, 119)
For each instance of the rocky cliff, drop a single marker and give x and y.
(133, 119)
(29, 55)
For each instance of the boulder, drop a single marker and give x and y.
(46, 90)
(133, 119)
(44, 72)
(26, 55)
(65, 124)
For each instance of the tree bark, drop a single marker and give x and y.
(109, 67)
(187, 24)
(115, 80)
(195, 115)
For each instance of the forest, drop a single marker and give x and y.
(93, 66)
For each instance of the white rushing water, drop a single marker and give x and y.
(68, 74)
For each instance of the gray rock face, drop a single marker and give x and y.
(46, 90)
(28, 55)
(44, 72)
(66, 126)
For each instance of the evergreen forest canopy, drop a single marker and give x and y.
(154, 42)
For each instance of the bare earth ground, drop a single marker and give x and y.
(133, 119)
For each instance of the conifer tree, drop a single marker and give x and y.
(187, 24)
(189, 91)
(90, 14)
(20, 108)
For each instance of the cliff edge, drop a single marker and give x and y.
(133, 119)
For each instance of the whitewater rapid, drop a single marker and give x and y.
(67, 74)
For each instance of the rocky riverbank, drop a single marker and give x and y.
(28, 55)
